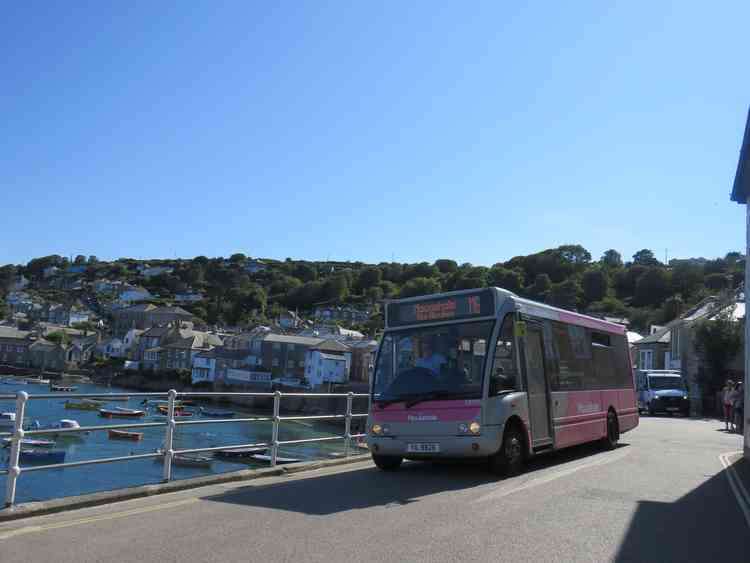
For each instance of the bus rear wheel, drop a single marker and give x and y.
(613, 432)
(509, 460)
(387, 462)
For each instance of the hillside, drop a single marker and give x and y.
(238, 290)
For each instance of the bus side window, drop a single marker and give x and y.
(504, 376)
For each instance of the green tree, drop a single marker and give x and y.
(390, 289)
(717, 282)
(3, 308)
(687, 277)
(305, 272)
(595, 284)
(512, 280)
(609, 305)
(566, 295)
(671, 309)
(645, 257)
(336, 288)
(652, 288)
(238, 258)
(80, 260)
(420, 286)
(93, 260)
(369, 277)
(421, 270)
(611, 259)
(717, 342)
(541, 287)
(446, 266)
(374, 294)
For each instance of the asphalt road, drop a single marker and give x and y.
(661, 496)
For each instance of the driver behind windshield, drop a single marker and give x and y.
(428, 357)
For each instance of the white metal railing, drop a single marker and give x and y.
(14, 470)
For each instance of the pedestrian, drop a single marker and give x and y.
(738, 407)
(725, 393)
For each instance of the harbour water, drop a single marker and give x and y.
(43, 485)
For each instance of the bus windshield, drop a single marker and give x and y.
(443, 362)
(664, 382)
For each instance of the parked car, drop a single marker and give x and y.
(662, 391)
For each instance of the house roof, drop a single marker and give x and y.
(663, 335)
(333, 357)
(140, 308)
(331, 346)
(741, 187)
(285, 339)
(173, 311)
(157, 331)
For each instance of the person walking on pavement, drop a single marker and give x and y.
(727, 403)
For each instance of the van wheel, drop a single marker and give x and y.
(387, 462)
(509, 459)
(609, 442)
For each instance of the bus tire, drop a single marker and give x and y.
(509, 459)
(387, 462)
(609, 442)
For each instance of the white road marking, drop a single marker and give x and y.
(91, 519)
(614, 456)
(740, 493)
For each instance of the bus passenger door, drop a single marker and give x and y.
(536, 387)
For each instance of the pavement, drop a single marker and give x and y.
(666, 494)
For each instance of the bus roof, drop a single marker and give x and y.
(452, 305)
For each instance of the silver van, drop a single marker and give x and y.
(662, 391)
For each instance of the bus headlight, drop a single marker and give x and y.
(376, 429)
(475, 427)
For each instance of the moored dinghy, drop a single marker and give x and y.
(47, 457)
(125, 435)
(120, 412)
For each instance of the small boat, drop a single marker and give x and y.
(39, 381)
(31, 443)
(62, 388)
(111, 399)
(124, 435)
(185, 460)
(62, 424)
(84, 405)
(267, 458)
(47, 457)
(7, 420)
(239, 453)
(216, 414)
(119, 412)
(177, 414)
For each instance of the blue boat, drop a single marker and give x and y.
(216, 414)
(46, 457)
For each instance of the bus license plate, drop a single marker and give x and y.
(423, 448)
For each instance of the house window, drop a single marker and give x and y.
(301, 363)
(276, 346)
(290, 364)
(675, 343)
(275, 362)
(646, 359)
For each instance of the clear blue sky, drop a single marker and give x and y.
(364, 131)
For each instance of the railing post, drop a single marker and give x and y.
(275, 430)
(348, 424)
(169, 436)
(14, 470)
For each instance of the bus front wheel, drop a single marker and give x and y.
(387, 462)
(509, 459)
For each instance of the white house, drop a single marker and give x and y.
(78, 316)
(204, 367)
(110, 348)
(156, 271)
(21, 282)
(50, 271)
(255, 266)
(132, 295)
(323, 367)
(188, 297)
(15, 298)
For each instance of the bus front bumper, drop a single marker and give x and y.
(430, 447)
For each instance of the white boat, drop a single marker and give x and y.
(7, 420)
(31, 443)
(267, 458)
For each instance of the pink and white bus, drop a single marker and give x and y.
(487, 374)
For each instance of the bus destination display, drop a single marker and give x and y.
(441, 309)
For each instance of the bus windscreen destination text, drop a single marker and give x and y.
(441, 309)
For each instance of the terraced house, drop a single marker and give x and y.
(14, 346)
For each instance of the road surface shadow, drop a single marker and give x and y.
(370, 487)
(704, 525)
